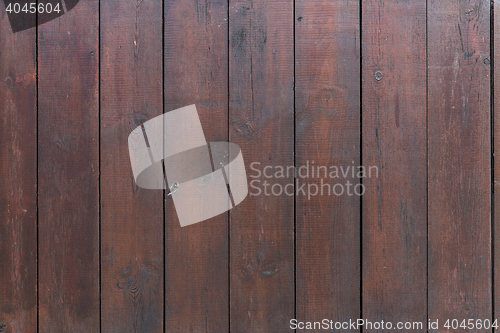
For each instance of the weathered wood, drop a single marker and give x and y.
(68, 173)
(394, 141)
(196, 71)
(459, 195)
(18, 183)
(495, 57)
(327, 54)
(131, 217)
(261, 123)
(246, 49)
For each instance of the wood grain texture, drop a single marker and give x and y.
(18, 185)
(68, 147)
(236, 61)
(327, 53)
(131, 217)
(196, 71)
(459, 160)
(394, 141)
(261, 123)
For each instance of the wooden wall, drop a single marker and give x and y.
(406, 86)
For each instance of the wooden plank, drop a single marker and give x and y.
(459, 160)
(394, 141)
(131, 217)
(18, 183)
(68, 171)
(196, 62)
(327, 128)
(261, 123)
(495, 57)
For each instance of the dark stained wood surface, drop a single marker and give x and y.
(459, 160)
(327, 133)
(261, 114)
(196, 72)
(394, 140)
(68, 172)
(18, 180)
(402, 85)
(131, 217)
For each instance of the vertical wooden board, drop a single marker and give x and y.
(394, 143)
(68, 172)
(459, 160)
(131, 217)
(196, 256)
(327, 133)
(18, 184)
(261, 123)
(495, 54)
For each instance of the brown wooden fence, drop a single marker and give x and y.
(406, 86)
